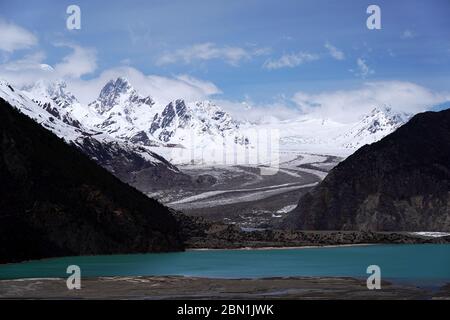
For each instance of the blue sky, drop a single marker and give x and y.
(264, 52)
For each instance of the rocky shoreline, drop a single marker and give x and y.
(177, 287)
(199, 233)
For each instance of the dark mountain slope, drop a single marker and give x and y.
(127, 164)
(399, 183)
(54, 201)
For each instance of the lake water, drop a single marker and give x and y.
(419, 264)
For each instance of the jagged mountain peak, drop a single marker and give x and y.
(55, 98)
(380, 122)
(5, 84)
(385, 110)
(180, 120)
(124, 157)
(119, 92)
(210, 108)
(177, 107)
(47, 114)
(381, 117)
(55, 90)
(217, 114)
(381, 109)
(120, 85)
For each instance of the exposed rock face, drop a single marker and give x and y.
(133, 164)
(119, 92)
(54, 201)
(173, 115)
(373, 127)
(200, 233)
(399, 183)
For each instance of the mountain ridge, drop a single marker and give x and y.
(401, 182)
(123, 113)
(200, 126)
(128, 161)
(57, 202)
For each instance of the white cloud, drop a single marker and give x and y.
(259, 112)
(207, 88)
(261, 51)
(28, 62)
(290, 60)
(79, 62)
(210, 51)
(363, 69)
(340, 105)
(14, 37)
(349, 105)
(334, 52)
(27, 70)
(82, 61)
(125, 61)
(407, 34)
(163, 89)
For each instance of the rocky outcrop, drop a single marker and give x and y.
(134, 165)
(119, 92)
(200, 233)
(399, 183)
(55, 201)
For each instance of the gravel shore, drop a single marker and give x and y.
(175, 287)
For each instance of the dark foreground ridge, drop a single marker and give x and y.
(401, 183)
(54, 201)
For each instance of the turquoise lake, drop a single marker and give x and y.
(427, 264)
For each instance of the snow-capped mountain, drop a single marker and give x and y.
(185, 131)
(122, 112)
(132, 163)
(55, 99)
(319, 135)
(373, 127)
(56, 91)
(41, 112)
(202, 119)
(120, 94)
(125, 114)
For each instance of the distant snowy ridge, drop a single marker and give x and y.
(309, 134)
(52, 110)
(373, 127)
(123, 113)
(189, 131)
